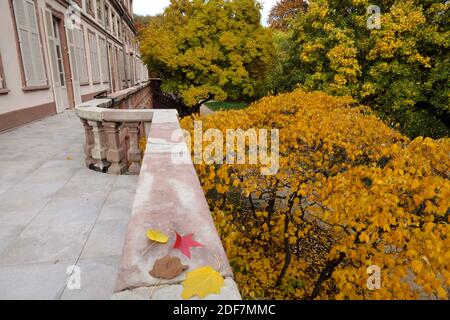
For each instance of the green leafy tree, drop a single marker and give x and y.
(278, 75)
(401, 69)
(215, 49)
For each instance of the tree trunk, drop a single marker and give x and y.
(196, 109)
(287, 250)
(326, 274)
(270, 211)
(252, 205)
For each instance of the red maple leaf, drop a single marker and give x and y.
(184, 243)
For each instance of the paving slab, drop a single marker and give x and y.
(8, 234)
(106, 239)
(119, 203)
(53, 209)
(47, 243)
(96, 275)
(43, 281)
(21, 213)
(13, 171)
(42, 183)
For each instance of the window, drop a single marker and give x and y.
(80, 54)
(136, 70)
(119, 28)
(54, 41)
(122, 74)
(90, 7)
(104, 60)
(130, 70)
(114, 23)
(2, 78)
(93, 50)
(107, 19)
(30, 43)
(100, 8)
(127, 69)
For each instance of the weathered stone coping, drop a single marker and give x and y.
(101, 109)
(169, 198)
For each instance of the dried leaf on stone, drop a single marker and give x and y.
(202, 282)
(184, 243)
(157, 236)
(168, 268)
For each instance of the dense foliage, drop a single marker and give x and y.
(140, 22)
(401, 70)
(215, 49)
(350, 193)
(279, 75)
(284, 11)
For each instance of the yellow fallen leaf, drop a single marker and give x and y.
(202, 282)
(442, 293)
(157, 236)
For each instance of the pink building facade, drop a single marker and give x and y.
(55, 54)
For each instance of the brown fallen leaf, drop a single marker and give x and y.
(167, 268)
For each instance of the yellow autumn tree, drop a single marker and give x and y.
(398, 63)
(350, 194)
(209, 49)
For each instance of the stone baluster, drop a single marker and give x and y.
(115, 154)
(89, 143)
(134, 154)
(100, 147)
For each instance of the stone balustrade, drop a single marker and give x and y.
(169, 197)
(114, 126)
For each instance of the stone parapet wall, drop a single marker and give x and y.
(169, 198)
(114, 127)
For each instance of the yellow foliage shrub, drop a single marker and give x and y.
(350, 193)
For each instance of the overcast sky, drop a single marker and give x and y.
(151, 7)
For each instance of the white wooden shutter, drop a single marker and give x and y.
(93, 49)
(51, 47)
(126, 69)
(81, 56)
(2, 86)
(74, 66)
(130, 69)
(30, 44)
(136, 65)
(72, 55)
(122, 67)
(104, 60)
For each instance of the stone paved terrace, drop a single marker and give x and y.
(54, 212)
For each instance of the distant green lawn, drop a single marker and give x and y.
(217, 106)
